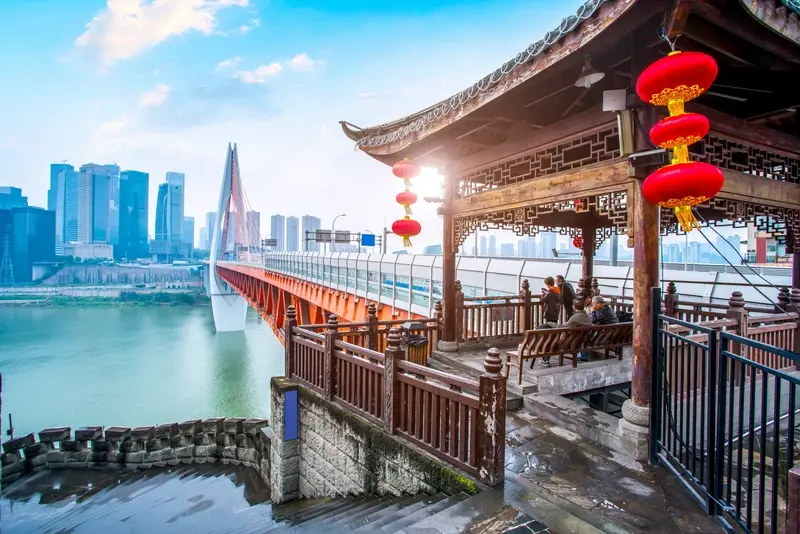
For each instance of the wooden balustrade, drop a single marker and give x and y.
(461, 421)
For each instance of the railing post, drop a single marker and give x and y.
(330, 346)
(491, 421)
(656, 392)
(737, 312)
(438, 315)
(527, 311)
(288, 330)
(595, 287)
(391, 389)
(670, 300)
(783, 303)
(459, 310)
(372, 327)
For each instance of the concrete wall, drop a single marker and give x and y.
(235, 441)
(338, 453)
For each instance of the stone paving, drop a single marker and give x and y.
(589, 484)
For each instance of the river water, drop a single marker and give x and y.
(130, 366)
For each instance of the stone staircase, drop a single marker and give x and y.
(437, 513)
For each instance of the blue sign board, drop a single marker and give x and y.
(290, 415)
(367, 240)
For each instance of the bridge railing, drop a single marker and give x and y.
(461, 421)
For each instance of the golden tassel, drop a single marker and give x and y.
(680, 154)
(406, 242)
(408, 210)
(686, 218)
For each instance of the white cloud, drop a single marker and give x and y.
(255, 23)
(114, 126)
(260, 74)
(302, 62)
(126, 28)
(154, 98)
(228, 63)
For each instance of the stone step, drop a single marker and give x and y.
(456, 518)
(291, 510)
(391, 513)
(409, 519)
(341, 506)
(342, 524)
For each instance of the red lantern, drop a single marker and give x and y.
(681, 186)
(578, 242)
(406, 228)
(671, 81)
(406, 170)
(406, 199)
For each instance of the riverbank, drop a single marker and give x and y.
(125, 298)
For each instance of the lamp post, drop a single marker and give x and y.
(333, 230)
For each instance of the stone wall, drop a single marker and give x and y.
(235, 441)
(339, 453)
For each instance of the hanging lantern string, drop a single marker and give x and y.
(408, 210)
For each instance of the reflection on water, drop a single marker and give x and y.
(204, 498)
(131, 366)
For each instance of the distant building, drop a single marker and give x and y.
(292, 234)
(277, 229)
(188, 231)
(134, 191)
(168, 244)
(89, 251)
(202, 241)
(176, 183)
(492, 249)
(507, 250)
(433, 250)
(483, 248)
(30, 234)
(310, 224)
(66, 208)
(97, 208)
(253, 226)
(11, 197)
(52, 193)
(211, 221)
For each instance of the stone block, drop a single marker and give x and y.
(55, 457)
(10, 458)
(213, 425)
(246, 455)
(17, 444)
(37, 449)
(113, 466)
(173, 461)
(246, 441)
(131, 467)
(184, 452)
(59, 433)
(98, 458)
(131, 445)
(154, 444)
(101, 445)
(179, 441)
(201, 451)
(160, 464)
(227, 452)
(200, 459)
(188, 461)
(167, 453)
(145, 465)
(38, 461)
(212, 459)
(251, 426)
(135, 457)
(152, 456)
(115, 456)
(233, 425)
(190, 427)
(117, 434)
(143, 433)
(290, 466)
(236, 462)
(16, 467)
(70, 445)
(12, 478)
(226, 440)
(89, 433)
(167, 431)
(78, 457)
(204, 439)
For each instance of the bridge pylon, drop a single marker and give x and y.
(235, 233)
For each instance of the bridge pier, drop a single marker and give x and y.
(230, 311)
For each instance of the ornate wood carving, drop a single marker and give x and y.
(587, 149)
(737, 156)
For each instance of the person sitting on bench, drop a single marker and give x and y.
(580, 318)
(602, 312)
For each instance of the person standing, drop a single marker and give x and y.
(567, 295)
(551, 309)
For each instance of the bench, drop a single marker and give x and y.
(569, 342)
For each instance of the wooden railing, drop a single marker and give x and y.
(461, 421)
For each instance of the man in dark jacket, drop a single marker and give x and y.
(602, 312)
(551, 301)
(567, 295)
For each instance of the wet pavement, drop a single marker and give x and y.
(574, 485)
(205, 498)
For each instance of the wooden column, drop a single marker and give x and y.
(796, 270)
(492, 421)
(588, 250)
(372, 327)
(331, 334)
(646, 225)
(448, 259)
(391, 388)
(291, 322)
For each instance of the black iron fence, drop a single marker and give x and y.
(723, 423)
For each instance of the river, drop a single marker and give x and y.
(130, 366)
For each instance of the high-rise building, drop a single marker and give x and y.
(134, 187)
(507, 250)
(97, 207)
(176, 183)
(188, 231)
(162, 212)
(492, 249)
(168, 243)
(30, 235)
(66, 208)
(310, 224)
(202, 240)
(11, 197)
(52, 193)
(253, 226)
(277, 225)
(211, 221)
(292, 234)
(483, 248)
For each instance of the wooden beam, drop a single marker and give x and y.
(590, 180)
(760, 190)
(677, 16)
(727, 44)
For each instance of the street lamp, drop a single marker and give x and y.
(333, 229)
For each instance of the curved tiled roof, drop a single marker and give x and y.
(390, 132)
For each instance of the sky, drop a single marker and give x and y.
(165, 85)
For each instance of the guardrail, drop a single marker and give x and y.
(461, 421)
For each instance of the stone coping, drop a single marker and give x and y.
(232, 440)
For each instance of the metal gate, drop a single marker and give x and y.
(723, 423)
